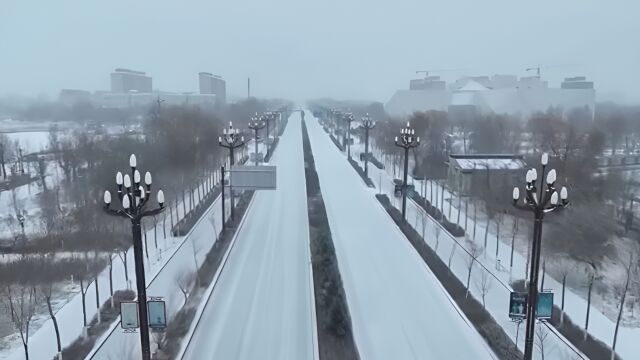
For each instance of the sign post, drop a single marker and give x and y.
(518, 305)
(246, 177)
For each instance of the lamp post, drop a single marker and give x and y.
(256, 126)
(336, 115)
(367, 124)
(407, 141)
(21, 219)
(267, 117)
(540, 201)
(348, 118)
(134, 198)
(231, 138)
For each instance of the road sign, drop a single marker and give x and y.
(129, 315)
(545, 305)
(518, 305)
(247, 177)
(157, 314)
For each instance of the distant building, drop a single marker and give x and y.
(125, 81)
(70, 97)
(213, 84)
(466, 171)
(503, 94)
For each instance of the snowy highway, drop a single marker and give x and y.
(262, 306)
(398, 308)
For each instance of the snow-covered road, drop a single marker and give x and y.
(398, 308)
(262, 306)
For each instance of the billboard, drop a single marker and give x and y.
(246, 177)
(518, 305)
(157, 314)
(545, 305)
(129, 315)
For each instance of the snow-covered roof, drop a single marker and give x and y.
(490, 163)
(473, 86)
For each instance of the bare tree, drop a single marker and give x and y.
(195, 250)
(565, 266)
(46, 289)
(4, 149)
(185, 281)
(438, 230)
(22, 301)
(484, 285)
(474, 251)
(541, 336)
(623, 295)
(591, 277)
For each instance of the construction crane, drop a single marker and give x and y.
(426, 72)
(539, 67)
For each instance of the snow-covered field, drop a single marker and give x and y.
(262, 306)
(398, 308)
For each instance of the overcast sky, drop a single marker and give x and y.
(356, 49)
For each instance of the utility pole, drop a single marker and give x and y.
(248, 88)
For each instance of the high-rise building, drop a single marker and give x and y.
(125, 80)
(213, 84)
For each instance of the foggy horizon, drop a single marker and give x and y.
(294, 50)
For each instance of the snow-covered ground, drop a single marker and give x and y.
(600, 325)
(262, 306)
(398, 308)
(69, 314)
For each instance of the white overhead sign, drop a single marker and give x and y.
(248, 177)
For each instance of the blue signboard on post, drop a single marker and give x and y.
(545, 305)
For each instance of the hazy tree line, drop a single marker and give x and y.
(73, 239)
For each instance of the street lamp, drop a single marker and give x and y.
(231, 138)
(367, 124)
(267, 117)
(336, 115)
(134, 198)
(407, 140)
(540, 201)
(348, 118)
(21, 219)
(256, 126)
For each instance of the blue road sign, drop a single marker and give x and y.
(545, 305)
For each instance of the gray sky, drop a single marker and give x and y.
(356, 49)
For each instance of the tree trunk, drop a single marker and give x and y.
(486, 233)
(55, 322)
(564, 282)
(469, 278)
(84, 305)
(111, 279)
(97, 298)
(586, 322)
(624, 295)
